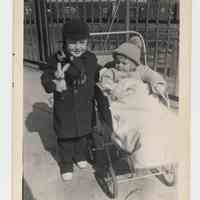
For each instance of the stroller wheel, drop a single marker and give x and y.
(167, 176)
(111, 182)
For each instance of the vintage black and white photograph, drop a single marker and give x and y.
(101, 100)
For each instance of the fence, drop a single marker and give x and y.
(156, 20)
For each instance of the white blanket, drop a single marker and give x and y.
(138, 115)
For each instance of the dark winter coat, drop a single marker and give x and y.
(73, 108)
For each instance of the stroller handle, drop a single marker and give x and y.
(125, 32)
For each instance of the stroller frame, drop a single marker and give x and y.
(166, 175)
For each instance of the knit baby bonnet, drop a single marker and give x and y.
(130, 51)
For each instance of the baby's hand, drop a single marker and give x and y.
(159, 89)
(116, 94)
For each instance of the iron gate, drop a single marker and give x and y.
(156, 20)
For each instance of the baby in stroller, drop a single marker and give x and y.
(137, 113)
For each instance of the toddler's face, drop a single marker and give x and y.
(77, 48)
(124, 64)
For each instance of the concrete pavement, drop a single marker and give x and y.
(42, 179)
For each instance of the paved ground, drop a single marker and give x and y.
(41, 171)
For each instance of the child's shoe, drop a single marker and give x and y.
(67, 176)
(82, 164)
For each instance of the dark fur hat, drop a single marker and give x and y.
(75, 29)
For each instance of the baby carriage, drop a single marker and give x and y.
(104, 128)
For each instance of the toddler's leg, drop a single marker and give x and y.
(80, 151)
(66, 150)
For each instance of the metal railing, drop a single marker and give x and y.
(118, 33)
(43, 20)
(157, 21)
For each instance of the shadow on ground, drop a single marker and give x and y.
(40, 121)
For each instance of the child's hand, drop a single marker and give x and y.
(60, 72)
(60, 85)
(63, 84)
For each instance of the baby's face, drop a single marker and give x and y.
(77, 48)
(124, 64)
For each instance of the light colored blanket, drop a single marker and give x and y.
(138, 115)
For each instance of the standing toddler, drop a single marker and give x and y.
(71, 79)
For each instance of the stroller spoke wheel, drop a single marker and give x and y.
(111, 182)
